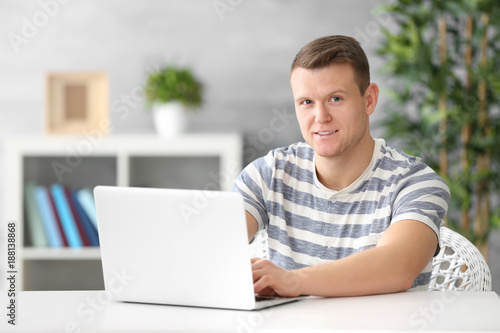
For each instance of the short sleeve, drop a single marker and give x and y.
(422, 195)
(253, 183)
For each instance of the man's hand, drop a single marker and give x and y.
(269, 279)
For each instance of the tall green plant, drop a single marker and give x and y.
(444, 63)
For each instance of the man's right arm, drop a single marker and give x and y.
(252, 225)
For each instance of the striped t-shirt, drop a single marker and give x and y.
(309, 224)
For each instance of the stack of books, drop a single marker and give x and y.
(58, 216)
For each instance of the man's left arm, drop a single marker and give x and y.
(402, 252)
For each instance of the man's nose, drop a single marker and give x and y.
(322, 114)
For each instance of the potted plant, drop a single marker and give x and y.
(444, 61)
(172, 91)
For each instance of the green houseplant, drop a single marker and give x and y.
(444, 62)
(172, 91)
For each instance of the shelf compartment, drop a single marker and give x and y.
(88, 171)
(175, 172)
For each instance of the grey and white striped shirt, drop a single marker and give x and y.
(309, 224)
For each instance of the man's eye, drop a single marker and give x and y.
(307, 102)
(336, 99)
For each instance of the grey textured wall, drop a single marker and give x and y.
(241, 50)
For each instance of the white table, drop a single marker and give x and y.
(93, 311)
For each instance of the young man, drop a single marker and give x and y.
(345, 213)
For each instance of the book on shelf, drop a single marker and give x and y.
(56, 217)
(36, 233)
(66, 216)
(58, 220)
(78, 223)
(47, 216)
(86, 199)
(87, 227)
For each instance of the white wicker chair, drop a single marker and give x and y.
(459, 265)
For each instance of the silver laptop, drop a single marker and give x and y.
(178, 247)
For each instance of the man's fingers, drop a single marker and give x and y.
(261, 287)
(257, 261)
(256, 274)
(261, 281)
(256, 269)
(261, 277)
(259, 284)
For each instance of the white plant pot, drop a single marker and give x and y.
(169, 119)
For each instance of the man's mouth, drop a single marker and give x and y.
(326, 132)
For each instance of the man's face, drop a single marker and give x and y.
(332, 113)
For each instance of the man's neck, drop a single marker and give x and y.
(339, 172)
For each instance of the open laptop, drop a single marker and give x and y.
(178, 247)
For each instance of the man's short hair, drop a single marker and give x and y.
(329, 50)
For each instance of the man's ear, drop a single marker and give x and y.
(371, 98)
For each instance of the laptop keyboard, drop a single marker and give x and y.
(260, 298)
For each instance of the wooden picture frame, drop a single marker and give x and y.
(77, 102)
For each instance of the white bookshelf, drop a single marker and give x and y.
(88, 253)
(201, 161)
